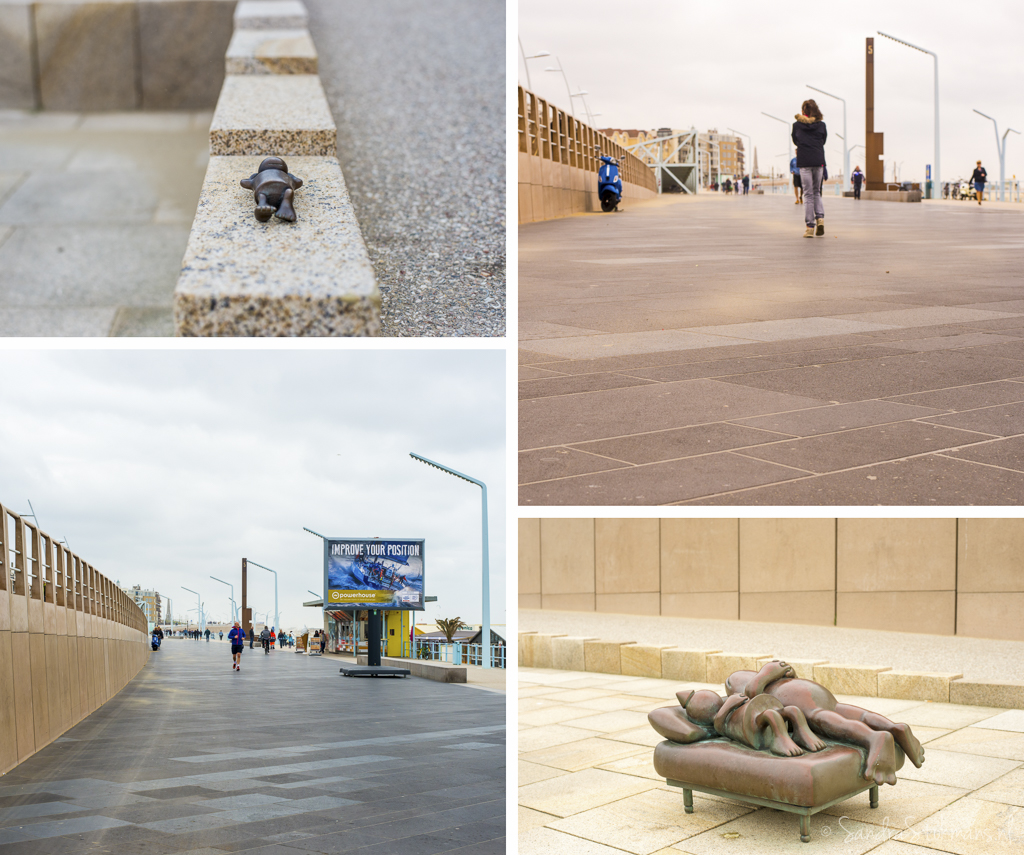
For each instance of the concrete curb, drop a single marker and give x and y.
(713, 666)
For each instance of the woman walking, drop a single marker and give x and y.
(809, 135)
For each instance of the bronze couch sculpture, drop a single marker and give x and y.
(742, 747)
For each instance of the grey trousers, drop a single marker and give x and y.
(810, 177)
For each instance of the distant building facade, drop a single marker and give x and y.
(148, 601)
(720, 156)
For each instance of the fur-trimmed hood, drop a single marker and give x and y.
(807, 120)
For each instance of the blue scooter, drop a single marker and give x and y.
(609, 184)
(155, 641)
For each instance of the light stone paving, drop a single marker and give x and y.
(271, 52)
(598, 794)
(95, 211)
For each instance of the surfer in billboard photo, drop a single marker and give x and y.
(391, 575)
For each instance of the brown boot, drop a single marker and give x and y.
(809, 232)
(820, 230)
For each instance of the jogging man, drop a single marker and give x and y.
(237, 638)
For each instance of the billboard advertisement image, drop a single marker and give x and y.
(372, 573)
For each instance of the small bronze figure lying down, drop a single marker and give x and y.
(273, 187)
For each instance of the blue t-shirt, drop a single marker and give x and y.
(237, 635)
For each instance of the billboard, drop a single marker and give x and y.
(373, 573)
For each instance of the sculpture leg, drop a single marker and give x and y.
(779, 742)
(904, 737)
(802, 733)
(688, 800)
(285, 210)
(881, 761)
(805, 828)
(874, 796)
(264, 211)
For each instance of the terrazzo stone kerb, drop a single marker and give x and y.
(279, 114)
(270, 15)
(271, 52)
(244, 278)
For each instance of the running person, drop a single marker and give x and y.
(978, 179)
(237, 639)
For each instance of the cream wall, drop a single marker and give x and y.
(62, 654)
(941, 576)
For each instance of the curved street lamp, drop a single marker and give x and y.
(1001, 148)
(485, 629)
(276, 624)
(846, 153)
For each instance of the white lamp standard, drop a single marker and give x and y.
(485, 629)
(526, 65)
(199, 611)
(936, 176)
(789, 136)
(846, 153)
(234, 611)
(1001, 148)
(566, 79)
(276, 624)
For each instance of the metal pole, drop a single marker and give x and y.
(199, 610)
(485, 629)
(234, 611)
(568, 91)
(789, 136)
(846, 151)
(526, 65)
(937, 174)
(275, 591)
(749, 146)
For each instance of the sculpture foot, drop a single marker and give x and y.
(286, 213)
(881, 763)
(264, 213)
(909, 743)
(786, 747)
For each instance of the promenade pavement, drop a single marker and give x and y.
(418, 93)
(95, 212)
(701, 351)
(285, 757)
(587, 784)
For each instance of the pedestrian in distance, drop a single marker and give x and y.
(746, 185)
(858, 179)
(237, 639)
(809, 136)
(797, 189)
(273, 637)
(207, 635)
(978, 179)
(222, 635)
(265, 640)
(252, 634)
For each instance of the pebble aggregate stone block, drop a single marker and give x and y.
(17, 89)
(721, 665)
(686, 665)
(567, 653)
(270, 15)
(849, 679)
(916, 685)
(525, 651)
(87, 55)
(181, 44)
(244, 278)
(987, 693)
(604, 656)
(281, 114)
(642, 660)
(539, 646)
(271, 52)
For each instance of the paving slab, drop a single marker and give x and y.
(398, 773)
(885, 310)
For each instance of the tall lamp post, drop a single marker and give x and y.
(526, 65)
(1001, 148)
(199, 611)
(846, 153)
(750, 146)
(234, 610)
(566, 79)
(936, 175)
(254, 564)
(485, 629)
(789, 136)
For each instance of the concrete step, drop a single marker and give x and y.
(271, 52)
(270, 15)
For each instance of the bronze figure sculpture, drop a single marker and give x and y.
(780, 741)
(273, 188)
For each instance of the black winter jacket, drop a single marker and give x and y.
(809, 136)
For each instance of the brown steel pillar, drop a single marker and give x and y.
(874, 167)
(246, 614)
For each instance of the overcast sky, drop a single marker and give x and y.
(163, 468)
(680, 63)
